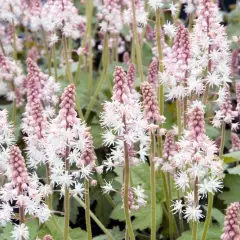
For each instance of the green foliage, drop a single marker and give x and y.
(116, 233)
(141, 218)
(231, 157)
(214, 233)
(231, 182)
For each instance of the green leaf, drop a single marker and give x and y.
(57, 233)
(103, 208)
(116, 233)
(211, 131)
(231, 157)
(214, 233)
(96, 131)
(43, 232)
(232, 182)
(73, 210)
(217, 215)
(140, 175)
(32, 225)
(54, 231)
(234, 170)
(7, 232)
(77, 233)
(142, 217)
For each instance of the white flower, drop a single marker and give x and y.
(169, 29)
(193, 213)
(174, 8)
(182, 181)
(53, 38)
(6, 212)
(177, 207)
(108, 138)
(78, 190)
(20, 232)
(140, 196)
(154, 4)
(43, 213)
(107, 188)
(86, 171)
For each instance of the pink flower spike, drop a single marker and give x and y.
(19, 171)
(238, 97)
(153, 72)
(131, 76)
(231, 229)
(121, 90)
(196, 121)
(235, 142)
(151, 109)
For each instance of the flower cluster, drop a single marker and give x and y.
(177, 65)
(123, 120)
(196, 164)
(69, 142)
(26, 191)
(62, 15)
(209, 50)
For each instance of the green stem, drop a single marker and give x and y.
(46, 50)
(90, 68)
(66, 204)
(180, 217)
(194, 230)
(70, 77)
(95, 219)
(205, 96)
(87, 210)
(223, 136)
(195, 223)
(209, 216)
(153, 189)
(179, 117)
(170, 213)
(89, 9)
(103, 76)
(49, 198)
(136, 41)
(68, 69)
(54, 62)
(160, 57)
(22, 220)
(126, 186)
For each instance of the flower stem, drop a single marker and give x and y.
(87, 210)
(209, 215)
(49, 198)
(223, 136)
(66, 204)
(54, 62)
(68, 69)
(160, 58)
(126, 186)
(89, 9)
(96, 220)
(46, 50)
(179, 116)
(195, 223)
(103, 76)
(70, 77)
(136, 41)
(153, 189)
